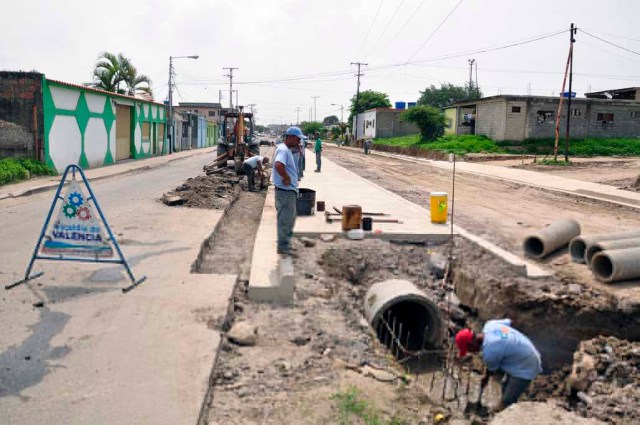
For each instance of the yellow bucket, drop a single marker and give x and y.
(438, 203)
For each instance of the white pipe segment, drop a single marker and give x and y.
(609, 246)
(578, 246)
(554, 236)
(618, 264)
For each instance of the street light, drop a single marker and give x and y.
(170, 126)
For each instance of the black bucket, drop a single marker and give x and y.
(306, 203)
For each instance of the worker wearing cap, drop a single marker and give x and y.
(503, 348)
(285, 180)
(250, 165)
(318, 150)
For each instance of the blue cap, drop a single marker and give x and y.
(294, 131)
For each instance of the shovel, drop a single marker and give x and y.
(476, 407)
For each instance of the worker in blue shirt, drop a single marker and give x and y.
(507, 349)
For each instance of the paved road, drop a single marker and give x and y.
(92, 354)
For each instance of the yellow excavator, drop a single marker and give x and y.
(237, 141)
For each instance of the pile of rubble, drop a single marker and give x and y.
(606, 376)
(215, 191)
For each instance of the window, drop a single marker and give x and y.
(212, 113)
(195, 111)
(635, 114)
(449, 123)
(546, 117)
(146, 130)
(515, 109)
(604, 120)
(575, 112)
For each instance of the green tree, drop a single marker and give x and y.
(331, 120)
(448, 94)
(311, 127)
(116, 73)
(428, 119)
(368, 99)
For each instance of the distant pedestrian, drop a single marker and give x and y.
(503, 348)
(285, 180)
(318, 150)
(367, 146)
(250, 166)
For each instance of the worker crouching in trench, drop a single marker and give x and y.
(251, 165)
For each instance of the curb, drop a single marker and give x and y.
(601, 197)
(46, 187)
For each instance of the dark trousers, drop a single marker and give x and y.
(318, 160)
(286, 210)
(512, 389)
(249, 171)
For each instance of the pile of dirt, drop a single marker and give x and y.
(212, 192)
(606, 372)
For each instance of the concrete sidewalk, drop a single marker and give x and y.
(337, 186)
(597, 191)
(43, 184)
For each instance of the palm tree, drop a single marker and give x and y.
(111, 70)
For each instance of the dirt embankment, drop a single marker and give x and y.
(216, 191)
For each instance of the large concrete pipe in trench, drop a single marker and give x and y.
(610, 246)
(578, 246)
(404, 318)
(554, 236)
(615, 265)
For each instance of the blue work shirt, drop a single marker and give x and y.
(283, 154)
(507, 349)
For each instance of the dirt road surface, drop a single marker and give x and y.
(500, 211)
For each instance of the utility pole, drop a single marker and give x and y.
(471, 62)
(357, 106)
(298, 109)
(572, 40)
(315, 108)
(230, 75)
(170, 129)
(251, 105)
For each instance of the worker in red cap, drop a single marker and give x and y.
(503, 348)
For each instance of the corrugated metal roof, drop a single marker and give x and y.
(91, 89)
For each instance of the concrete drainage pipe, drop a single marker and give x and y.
(615, 265)
(552, 237)
(610, 246)
(404, 319)
(579, 246)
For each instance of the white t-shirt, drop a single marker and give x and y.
(253, 161)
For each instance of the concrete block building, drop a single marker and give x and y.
(382, 123)
(63, 123)
(517, 118)
(213, 112)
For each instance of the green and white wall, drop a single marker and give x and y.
(80, 126)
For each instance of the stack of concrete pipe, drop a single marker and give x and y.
(611, 257)
(551, 238)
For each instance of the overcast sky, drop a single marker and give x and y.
(311, 43)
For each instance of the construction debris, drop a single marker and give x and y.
(212, 192)
(606, 377)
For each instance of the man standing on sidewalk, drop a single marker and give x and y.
(285, 180)
(318, 150)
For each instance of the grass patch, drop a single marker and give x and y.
(13, 170)
(351, 406)
(449, 144)
(559, 162)
(577, 147)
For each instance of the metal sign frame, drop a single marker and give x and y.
(73, 168)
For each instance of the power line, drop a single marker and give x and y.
(609, 42)
(611, 35)
(370, 27)
(385, 28)
(413, 15)
(435, 30)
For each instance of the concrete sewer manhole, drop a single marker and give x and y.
(405, 320)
